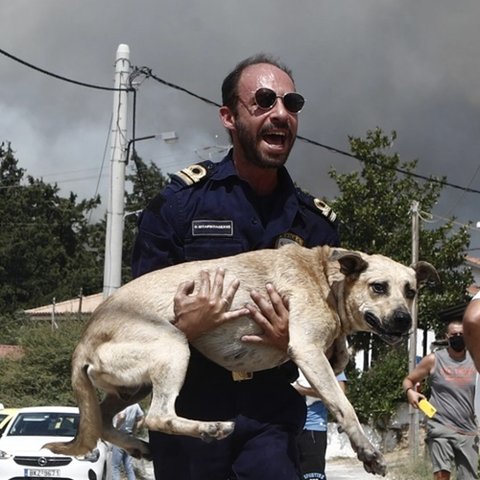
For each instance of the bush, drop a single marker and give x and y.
(375, 394)
(42, 376)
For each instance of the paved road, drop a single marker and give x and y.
(348, 469)
(338, 469)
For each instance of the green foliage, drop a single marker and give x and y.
(376, 393)
(9, 330)
(374, 204)
(42, 376)
(375, 211)
(45, 248)
(49, 249)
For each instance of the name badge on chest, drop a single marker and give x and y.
(212, 228)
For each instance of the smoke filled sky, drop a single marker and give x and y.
(407, 66)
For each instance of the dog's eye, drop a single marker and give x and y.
(410, 293)
(380, 288)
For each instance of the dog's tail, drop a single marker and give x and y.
(90, 425)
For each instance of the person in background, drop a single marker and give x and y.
(129, 420)
(245, 202)
(471, 329)
(312, 441)
(452, 431)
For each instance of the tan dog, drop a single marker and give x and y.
(130, 346)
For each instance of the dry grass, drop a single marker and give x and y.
(410, 469)
(401, 466)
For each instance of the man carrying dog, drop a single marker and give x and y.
(245, 202)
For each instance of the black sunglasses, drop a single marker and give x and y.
(266, 98)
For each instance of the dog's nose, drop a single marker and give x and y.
(401, 321)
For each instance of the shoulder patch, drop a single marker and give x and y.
(317, 205)
(193, 173)
(325, 210)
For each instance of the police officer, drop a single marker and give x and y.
(245, 202)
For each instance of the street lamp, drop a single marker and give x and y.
(167, 137)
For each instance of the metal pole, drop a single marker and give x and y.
(112, 275)
(413, 412)
(54, 323)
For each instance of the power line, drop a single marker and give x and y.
(400, 170)
(148, 73)
(59, 77)
(428, 217)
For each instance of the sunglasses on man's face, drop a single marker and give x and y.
(266, 98)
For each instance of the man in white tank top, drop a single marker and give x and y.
(452, 431)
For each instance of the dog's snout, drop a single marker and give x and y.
(401, 321)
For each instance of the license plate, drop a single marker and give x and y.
(42, 472)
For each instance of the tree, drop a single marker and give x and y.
(374, 208)
(45, 240)
(68, 253)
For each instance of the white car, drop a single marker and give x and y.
(22, 456)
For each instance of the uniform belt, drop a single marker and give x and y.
(239, 376)
(281, 373)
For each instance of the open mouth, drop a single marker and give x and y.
(390, 337)
(275, 138)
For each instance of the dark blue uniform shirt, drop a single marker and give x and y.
(206, 212)
(220, 215)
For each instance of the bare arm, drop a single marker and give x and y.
(309, 391)
(419, 373)
(201, 312)
(119, 419)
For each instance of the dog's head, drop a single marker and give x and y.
(378, 292)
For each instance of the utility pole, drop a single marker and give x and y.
(413, 412)
(112, 275)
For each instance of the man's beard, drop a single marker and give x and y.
(248, 143)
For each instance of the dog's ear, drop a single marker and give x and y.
(426, 274)
(351, 263)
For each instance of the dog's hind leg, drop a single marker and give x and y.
(167, 380)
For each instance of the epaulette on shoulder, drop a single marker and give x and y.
(317, 205)
(194, 173)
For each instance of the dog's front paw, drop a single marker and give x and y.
(373, 461)
(216, 430)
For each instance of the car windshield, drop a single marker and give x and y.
(56, 424)
(2, 417)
